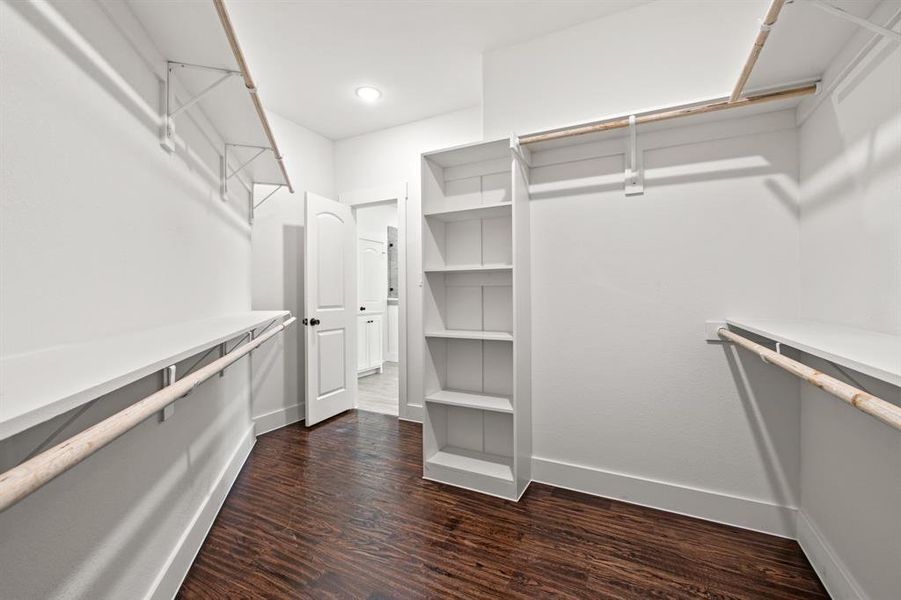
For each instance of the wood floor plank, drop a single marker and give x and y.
(341, 511)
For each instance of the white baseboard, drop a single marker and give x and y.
(182, 557)
(278, 419)
(832, 571)
(693, 502)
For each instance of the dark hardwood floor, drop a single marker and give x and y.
(340, 511)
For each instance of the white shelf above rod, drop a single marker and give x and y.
(874, 406)
(31, 475)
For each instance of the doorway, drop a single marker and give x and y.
(377, 316)
(379, 216)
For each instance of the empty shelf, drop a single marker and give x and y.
(869, 352)
(477, 211)
(38, 386)
(470, 461)
(469, 269)
(478, 400)
(465, 334)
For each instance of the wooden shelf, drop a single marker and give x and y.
(462, 334)
(478, 211)
(469, 461)
(38, 386)
(869, 352)
(469, 269)
(481, 401)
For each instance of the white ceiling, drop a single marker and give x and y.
(309, 56)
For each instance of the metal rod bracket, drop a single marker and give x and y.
(634, 176)
(223, 350)
(168, 379)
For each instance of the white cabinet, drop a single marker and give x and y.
(476, 347)
(370, 342)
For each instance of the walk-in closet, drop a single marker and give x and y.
(439, 299)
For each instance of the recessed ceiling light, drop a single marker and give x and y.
(368, 93)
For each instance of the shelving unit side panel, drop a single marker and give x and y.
(434, 365)
(522, 344)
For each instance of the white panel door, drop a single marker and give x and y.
(362, 348)
(330, 306)
(374, 341)
(372, 276)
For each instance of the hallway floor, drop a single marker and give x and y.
(341, 511)
(379, 392)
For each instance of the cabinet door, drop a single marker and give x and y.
(374, 341)
(362, 344)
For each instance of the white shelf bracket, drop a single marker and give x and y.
(224, 175)
(168, 379)
(842, 14)
(278, 186)
(634, 176)
(167, 135)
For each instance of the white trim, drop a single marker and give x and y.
(832, 571)
(415, 413)
(277, 419)
(694, 502)
(176, 567)
(377, 195)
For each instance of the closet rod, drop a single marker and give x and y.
(683, 110)
(251, 86)
(772, 14)
(20, 481)
(886, 412)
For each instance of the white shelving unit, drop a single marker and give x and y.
(475, 231)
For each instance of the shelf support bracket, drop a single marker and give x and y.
(168, 379)
(842, 14)
(167, 135)
(634, 176)
(224, 175)
(278, 186)
(260, 151)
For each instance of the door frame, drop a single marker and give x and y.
(397, 193)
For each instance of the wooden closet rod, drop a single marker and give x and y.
(772, 14)
(672, 112)
(251, 86)
(886, 412)
(29, 476)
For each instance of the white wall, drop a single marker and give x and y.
(390, 156)
(657, 54)
(103, 233)
(277, 268)
(373, 221)
(850, 151)
(628, 401)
